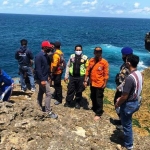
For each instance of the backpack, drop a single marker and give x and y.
(120, 77)
(62, 64)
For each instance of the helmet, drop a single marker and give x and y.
(126, 51)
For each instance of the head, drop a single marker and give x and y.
(23, 42)
(46, 46)
(57, 45)
(78, 49)
(132, 61)
(97, 53)
(126, 51)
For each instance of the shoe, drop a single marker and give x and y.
(52, 115)
(67, 104)
(32, 89)
(57, 102)
(86, 108)
(77, 106)
(53, 96)
(119, 127)
(115, 121)
(119, 147)
(23, 90)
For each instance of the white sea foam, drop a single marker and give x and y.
(141, 66)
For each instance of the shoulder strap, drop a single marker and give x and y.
(138, 87)
(92, 68)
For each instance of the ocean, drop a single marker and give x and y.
(110, 33)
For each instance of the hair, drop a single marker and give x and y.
(56, 46)
(133, 59)
(79, 45)
(23, 42)
(97, 47)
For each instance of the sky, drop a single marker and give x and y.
(91, 8)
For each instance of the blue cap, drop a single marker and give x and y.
(126, 51)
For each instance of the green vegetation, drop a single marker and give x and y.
(135, 122)
(106, 101)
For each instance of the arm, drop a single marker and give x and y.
(121, 99)
(106, 74)
(129, 84)
(67, 70)
(16, 55)
(38, 65)
(30, 55)
(6, 78)
(88, 68)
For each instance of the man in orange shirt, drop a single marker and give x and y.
(98, 73)
(56, 72)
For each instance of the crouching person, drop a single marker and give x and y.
(6, 86)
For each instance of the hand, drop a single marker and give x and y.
(66, 80)
(104, 85)
(12, 85)
(85, 84)
(116, 105)
(118, 99)
(43, 83)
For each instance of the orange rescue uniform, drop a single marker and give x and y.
(99, 73)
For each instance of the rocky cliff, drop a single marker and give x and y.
(23, 126)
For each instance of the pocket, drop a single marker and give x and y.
(131, 107)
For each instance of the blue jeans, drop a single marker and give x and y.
(26, 71)
(126, 111)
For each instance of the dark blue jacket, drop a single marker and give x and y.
(23, 55)
(41, 66)
(5, 78)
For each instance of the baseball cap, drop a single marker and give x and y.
(126, 51)
(46, 44)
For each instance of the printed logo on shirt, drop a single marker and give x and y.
(100, 68)
(22, 54)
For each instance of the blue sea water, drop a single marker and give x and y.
(110, 33)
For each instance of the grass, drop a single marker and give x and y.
(135, 122)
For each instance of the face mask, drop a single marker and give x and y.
(78, 52)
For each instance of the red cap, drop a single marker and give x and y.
(46, 44)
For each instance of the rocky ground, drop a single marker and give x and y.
(23, 126)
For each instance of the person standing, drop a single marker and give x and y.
(128, 101)
(75, 71)
(6, 86)
(98, 73)
(42, 76)
(56, 72)
(25, 61)
(120, 77)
